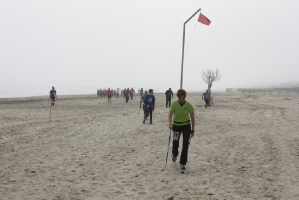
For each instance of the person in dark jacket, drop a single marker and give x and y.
(168, 95)
(149, 101)
(145, 111)
(207, 97)
(53, 95)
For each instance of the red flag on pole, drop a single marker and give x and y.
(203, 19)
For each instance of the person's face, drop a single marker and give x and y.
(182, 98)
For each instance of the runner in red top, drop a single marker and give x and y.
(109, 94)
(127, 95)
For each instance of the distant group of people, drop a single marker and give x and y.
(126, 93)
(180, 118)
(112, 92)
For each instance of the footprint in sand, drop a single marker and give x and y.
(142, 193)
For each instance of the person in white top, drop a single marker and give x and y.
(117, 92)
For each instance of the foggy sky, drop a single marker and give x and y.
(137, 43)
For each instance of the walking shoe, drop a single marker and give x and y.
(151, 122)
(143, 121)
(174, 158)
(182, 167)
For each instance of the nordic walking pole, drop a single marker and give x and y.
(138, 112)
(168, 146)
(139, 109)
(50, 109)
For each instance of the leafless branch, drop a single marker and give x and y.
(210, 76)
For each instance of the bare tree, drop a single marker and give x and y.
(210, 76)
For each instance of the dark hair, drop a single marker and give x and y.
(181, 92)
(150, 90)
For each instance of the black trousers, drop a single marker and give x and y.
(150, 111)
(168, 101)
(207, 102)
(127, 99)
(177, 131)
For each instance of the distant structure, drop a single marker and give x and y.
(231, 90)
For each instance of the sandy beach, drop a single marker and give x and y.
(246, 146)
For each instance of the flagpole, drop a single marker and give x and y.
(181, 86)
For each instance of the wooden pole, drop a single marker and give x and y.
(50, 110)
